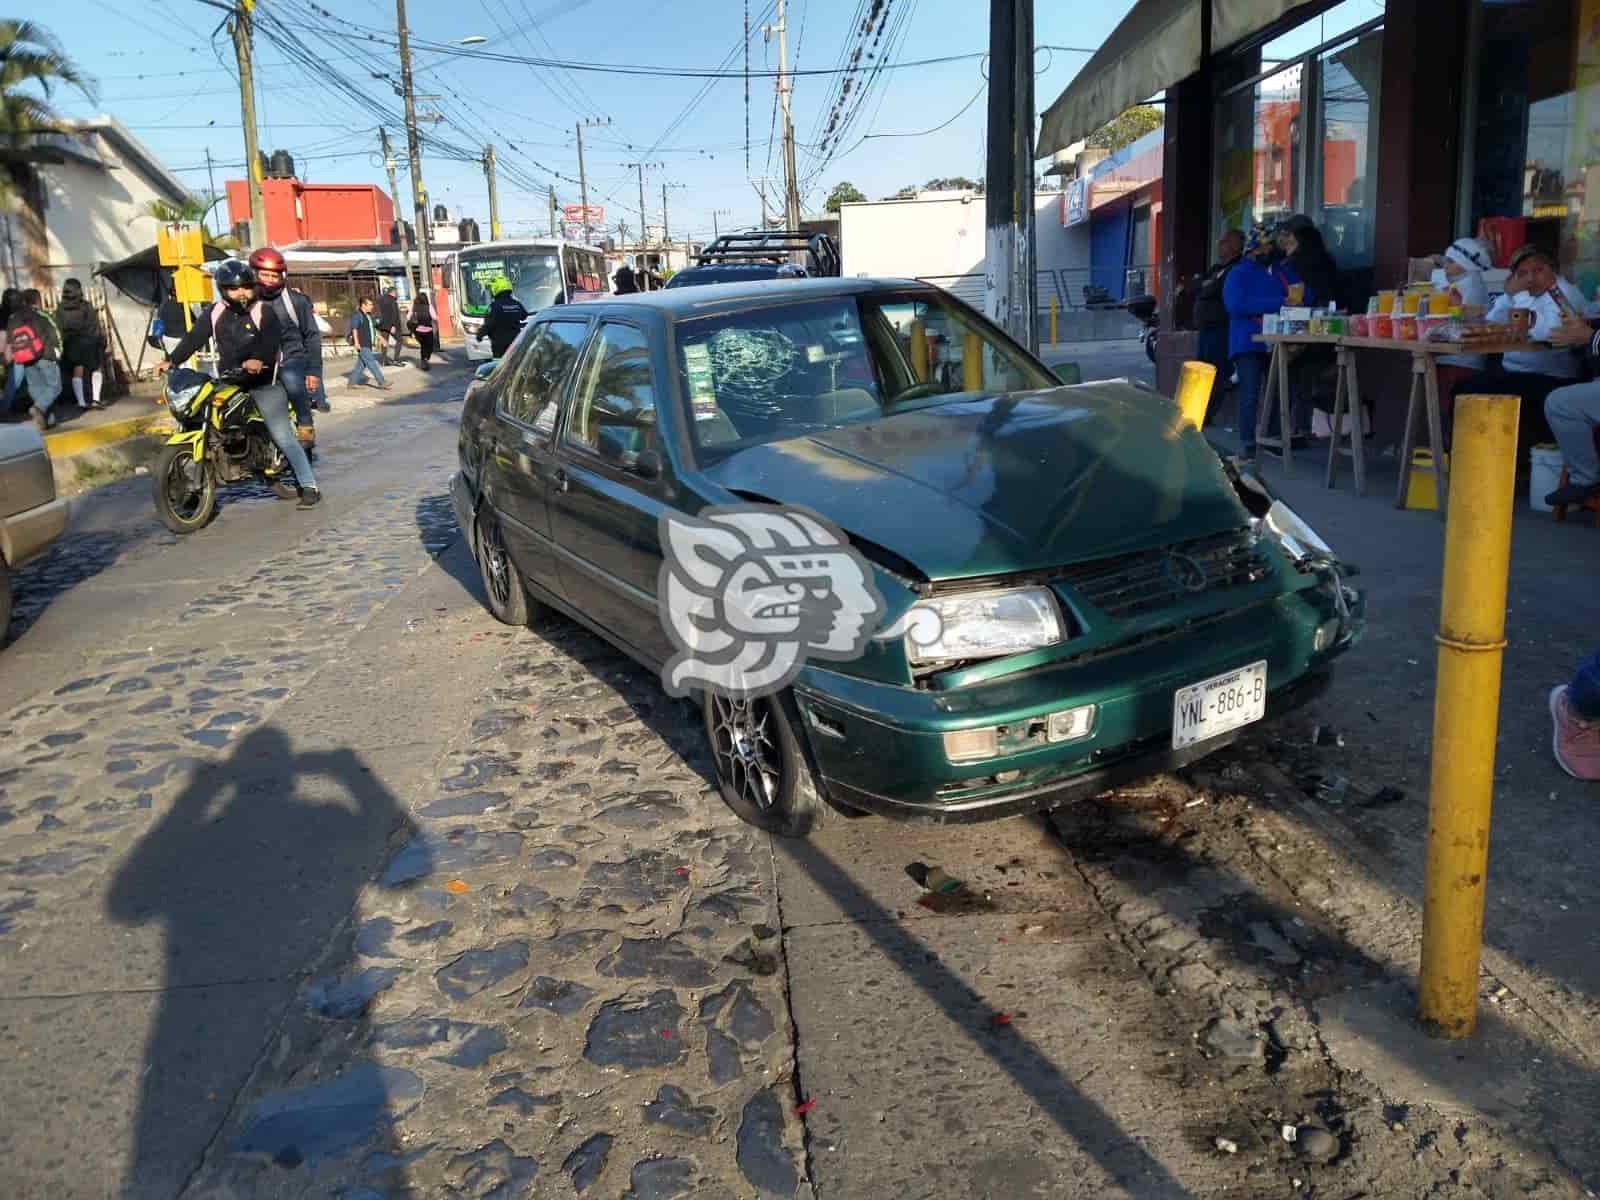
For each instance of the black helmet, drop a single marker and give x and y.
(231, 273)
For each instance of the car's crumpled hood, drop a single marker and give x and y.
(1006, 483)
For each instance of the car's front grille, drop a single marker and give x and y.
(1147, 580)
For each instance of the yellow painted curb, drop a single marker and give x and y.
(75, 441)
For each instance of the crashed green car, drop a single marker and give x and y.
(1069, 587)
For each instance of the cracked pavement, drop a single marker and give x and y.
(315, 881)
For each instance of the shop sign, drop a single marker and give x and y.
(1077, 203)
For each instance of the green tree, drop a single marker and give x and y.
(955, 183)
(1127, 126)
(844, 192)
(33, 66)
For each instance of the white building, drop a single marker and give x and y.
(86, 206)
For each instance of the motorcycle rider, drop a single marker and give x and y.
(300, 369)
(249, 335)
(504, 319)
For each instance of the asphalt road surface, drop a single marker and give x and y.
(315, 881)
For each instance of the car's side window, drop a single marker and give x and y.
(614, 411)
(516, 398)
(534, 396)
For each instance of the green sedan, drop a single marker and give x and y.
(898, 565)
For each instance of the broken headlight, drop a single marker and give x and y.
(987, 624)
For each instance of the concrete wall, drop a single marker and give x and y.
(95, 216)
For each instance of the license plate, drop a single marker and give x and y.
(1219, 705)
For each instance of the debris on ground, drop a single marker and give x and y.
(1226, 1145)
(935, 879)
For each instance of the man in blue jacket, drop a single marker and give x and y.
(1254, 287)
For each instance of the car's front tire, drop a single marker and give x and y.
(502, 585)
(762, 770)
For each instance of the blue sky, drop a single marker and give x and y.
(160, 74)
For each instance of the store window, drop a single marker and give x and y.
(1535, 134)
(1298, 131)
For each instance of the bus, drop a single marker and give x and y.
(542, 271)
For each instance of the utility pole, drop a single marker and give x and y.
(791, 183)
(642, 222)
(244, 51)
(761, 190)
(211, 180)
(715, 213)
(394, 198)
(583, 178)
(494, 195)
(552, 211)
(419, 195)
(1012, 287)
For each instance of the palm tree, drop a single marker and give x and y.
(191, 208)
(30, 55)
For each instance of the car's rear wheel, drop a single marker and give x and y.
(761, 766)
(502, 586)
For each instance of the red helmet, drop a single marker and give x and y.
(268, 259)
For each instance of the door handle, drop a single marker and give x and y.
(560, 480)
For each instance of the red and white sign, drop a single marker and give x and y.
(577, 214)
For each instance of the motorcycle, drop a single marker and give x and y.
(1143, 309)
(221, 439)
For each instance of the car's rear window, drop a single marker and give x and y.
(787, 369)
(695, 276)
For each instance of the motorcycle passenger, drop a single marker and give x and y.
(300, 370)
(505, 317)
(249, 335)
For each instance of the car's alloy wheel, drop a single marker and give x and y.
(761, 766)
(508, 602)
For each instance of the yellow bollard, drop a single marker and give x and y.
(972, 363)
(1195, 380)
(1466, 709)
(1052, 322)
(919, 351)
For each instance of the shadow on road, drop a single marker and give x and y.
(250, 872)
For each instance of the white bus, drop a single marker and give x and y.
(542, 271)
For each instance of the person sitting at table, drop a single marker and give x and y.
(1306, 256)
(1574, 414)
(1460, 269)
(1535, 286)
(1254, 287)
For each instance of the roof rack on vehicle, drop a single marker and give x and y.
(773, 245)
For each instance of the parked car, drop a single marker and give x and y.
(756, 255)
(1110, 598)
(31, 517)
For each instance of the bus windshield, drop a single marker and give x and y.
(534, 272)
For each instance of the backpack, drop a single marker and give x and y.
(219, 308)
(26, 344)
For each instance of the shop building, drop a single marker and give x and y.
(1396, 125)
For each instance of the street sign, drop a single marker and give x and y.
(178, 244)
(193, 285)
(577, 214)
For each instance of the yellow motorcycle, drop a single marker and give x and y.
(221, 439)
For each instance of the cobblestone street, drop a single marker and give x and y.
(316, 881)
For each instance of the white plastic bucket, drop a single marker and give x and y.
(1545, 476)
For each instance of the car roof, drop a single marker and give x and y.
(681, 304)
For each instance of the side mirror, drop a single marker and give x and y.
(648, 464)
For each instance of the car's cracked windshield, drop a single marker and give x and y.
(774, 372)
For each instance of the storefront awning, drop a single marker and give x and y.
(1157, 44)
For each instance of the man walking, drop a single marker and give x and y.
(389, 325)
(34, 343)
(504, 320)
(364, 336)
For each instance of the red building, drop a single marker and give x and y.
(318, 214)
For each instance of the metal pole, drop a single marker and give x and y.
(394, 198)
(552, 212)
(791, 184)
(419, 195)
(1008, 182)
(1466, 709)
(583, 184)
(641, 201)
(211, 189)
(666, 238)
(247, 106)
(494, 194)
